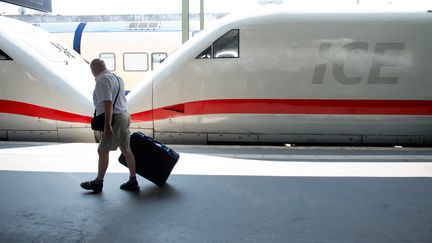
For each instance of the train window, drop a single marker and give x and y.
(154, 25)
(158, 58)
(4, 56)
(133, 26)
(227, 46)
(206, 54)
(135, 61)
(143, 25)
(109, 59)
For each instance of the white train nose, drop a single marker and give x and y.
(46, 88)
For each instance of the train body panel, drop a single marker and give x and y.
(296, 129)
(289, 75)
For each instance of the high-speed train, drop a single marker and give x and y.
(269, 77)
(45, 88)
(130, 49)
(292, 77)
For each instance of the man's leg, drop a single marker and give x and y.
(103, 163)
(132, 183)
(124, 141)
(130, 160)
(97, 184)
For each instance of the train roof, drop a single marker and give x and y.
(141, 26)
(9, 25)
(170, 26)
(269, 16)
(272, 14)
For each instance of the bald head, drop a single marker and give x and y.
(97, 66)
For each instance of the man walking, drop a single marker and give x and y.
(108, 88)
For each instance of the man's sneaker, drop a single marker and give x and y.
(130, 186)
(94, 185)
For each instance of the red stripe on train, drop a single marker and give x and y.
(20, 108)
(289, 106)
(242, 106)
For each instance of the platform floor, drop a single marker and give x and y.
(220, 194)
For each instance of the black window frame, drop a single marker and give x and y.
(212, 48)
(238, 44)
(4, 56)
(206, 54)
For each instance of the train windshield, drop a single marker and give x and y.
(227, 46)
(4, 56)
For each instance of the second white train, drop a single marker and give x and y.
(286, 77)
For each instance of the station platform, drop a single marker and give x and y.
(219, 194)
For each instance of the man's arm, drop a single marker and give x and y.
(108, 104)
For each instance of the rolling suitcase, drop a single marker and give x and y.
(154, 160)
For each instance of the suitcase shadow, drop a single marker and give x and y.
(158, 193)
